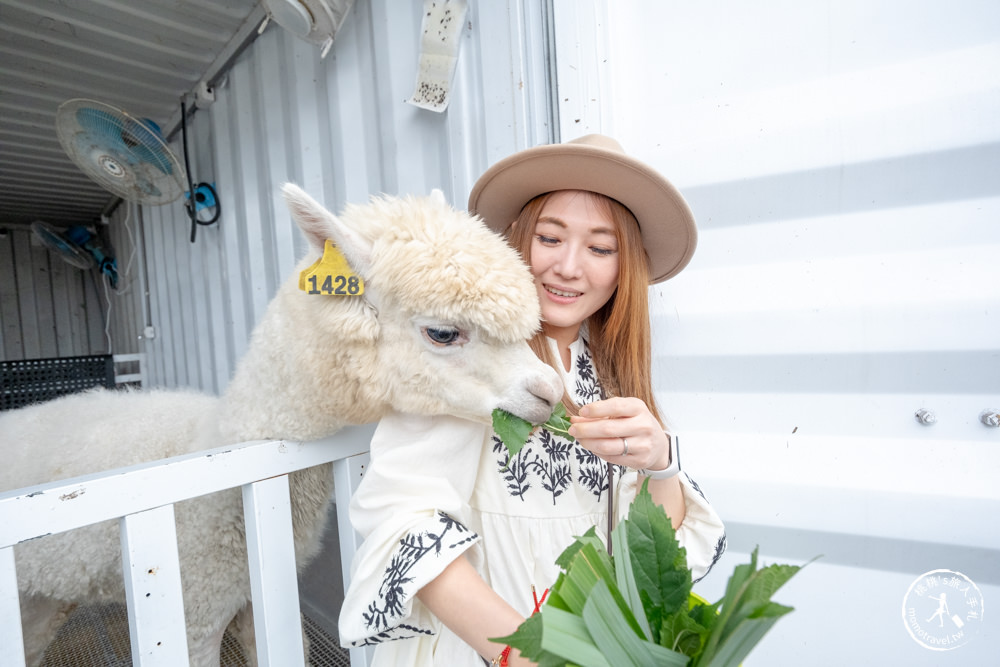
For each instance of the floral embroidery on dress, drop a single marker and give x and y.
(414, 546)
(547, 458)
(587, 388)
(553, 467)
(593, 471)
(514, 472)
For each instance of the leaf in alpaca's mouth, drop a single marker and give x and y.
(514, 431)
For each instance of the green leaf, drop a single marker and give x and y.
(559, 423)
(512, 431)
(625, 577)
(528, 640)
(659, 563)
(617, 640)
(590, 537)
(745, 636)
(757, 591)
(589, 565)
(766, 582)
(682, 633)
(747, 612)
(565, 634)
(705, 615)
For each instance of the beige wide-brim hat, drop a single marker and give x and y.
(597, 163)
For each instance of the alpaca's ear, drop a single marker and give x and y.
(438, 196)
(318, 224)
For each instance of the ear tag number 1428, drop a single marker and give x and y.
(331, 274)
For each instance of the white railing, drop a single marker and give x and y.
(142, 498)
(139, 377)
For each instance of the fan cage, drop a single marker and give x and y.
(57, 242)
(123, 154)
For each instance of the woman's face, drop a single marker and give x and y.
(574, 258)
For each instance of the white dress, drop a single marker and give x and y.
(438, 487)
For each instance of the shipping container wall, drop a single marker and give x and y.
(48, 307)
(842, 161)
(341, 128)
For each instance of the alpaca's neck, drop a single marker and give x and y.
(305, 371)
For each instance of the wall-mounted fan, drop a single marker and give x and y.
(123, 154)
(128, 157)
(315, 21)
(78, 247)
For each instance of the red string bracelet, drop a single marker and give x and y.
(503, 659)
(538, 602)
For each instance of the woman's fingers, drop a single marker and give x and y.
(620, 430)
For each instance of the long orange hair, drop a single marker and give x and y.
(619, 332)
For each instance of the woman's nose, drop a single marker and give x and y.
(569, 264)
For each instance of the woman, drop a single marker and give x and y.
(454, 549)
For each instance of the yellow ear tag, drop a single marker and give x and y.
(331, 274)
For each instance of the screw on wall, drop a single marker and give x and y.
(925, 417)
(990, 418)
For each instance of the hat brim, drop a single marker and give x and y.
(665, 221)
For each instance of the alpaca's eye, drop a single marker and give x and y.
(443, 336)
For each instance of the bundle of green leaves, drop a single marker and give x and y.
(635, 606)
(513, 431)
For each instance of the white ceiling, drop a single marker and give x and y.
(142, 56)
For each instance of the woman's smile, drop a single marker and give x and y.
(562, 294)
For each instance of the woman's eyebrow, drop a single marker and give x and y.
(552, 221)
(597, 229)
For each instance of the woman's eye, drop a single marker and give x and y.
(443, 335)
(603, 252)
(546, 240)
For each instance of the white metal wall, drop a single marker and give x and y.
(842, 160)
(48, 308)
(340, 128)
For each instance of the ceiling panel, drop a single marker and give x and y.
(142, 57)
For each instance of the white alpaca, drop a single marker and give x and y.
(440, 329)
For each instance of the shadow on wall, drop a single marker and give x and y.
(909, 180)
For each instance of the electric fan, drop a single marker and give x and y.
(125, 155)
(78, 247)
(59, 243)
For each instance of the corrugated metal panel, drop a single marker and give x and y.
(138, 56)
(48, 308)
(842, 162)
(340, 128)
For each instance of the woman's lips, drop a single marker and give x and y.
(562, 293)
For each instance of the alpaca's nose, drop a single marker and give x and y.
(547, 386)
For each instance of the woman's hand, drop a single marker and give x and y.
(604, 427)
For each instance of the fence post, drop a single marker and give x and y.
(347, 475)
(153, 588)
(274, 587)
(11, 637)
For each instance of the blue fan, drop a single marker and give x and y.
(125, 155)
(77, 246)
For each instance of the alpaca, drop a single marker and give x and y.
(440, 328)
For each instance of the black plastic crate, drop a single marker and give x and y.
(27, 381)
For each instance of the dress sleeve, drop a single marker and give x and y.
(411, 509)
(702, 533)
